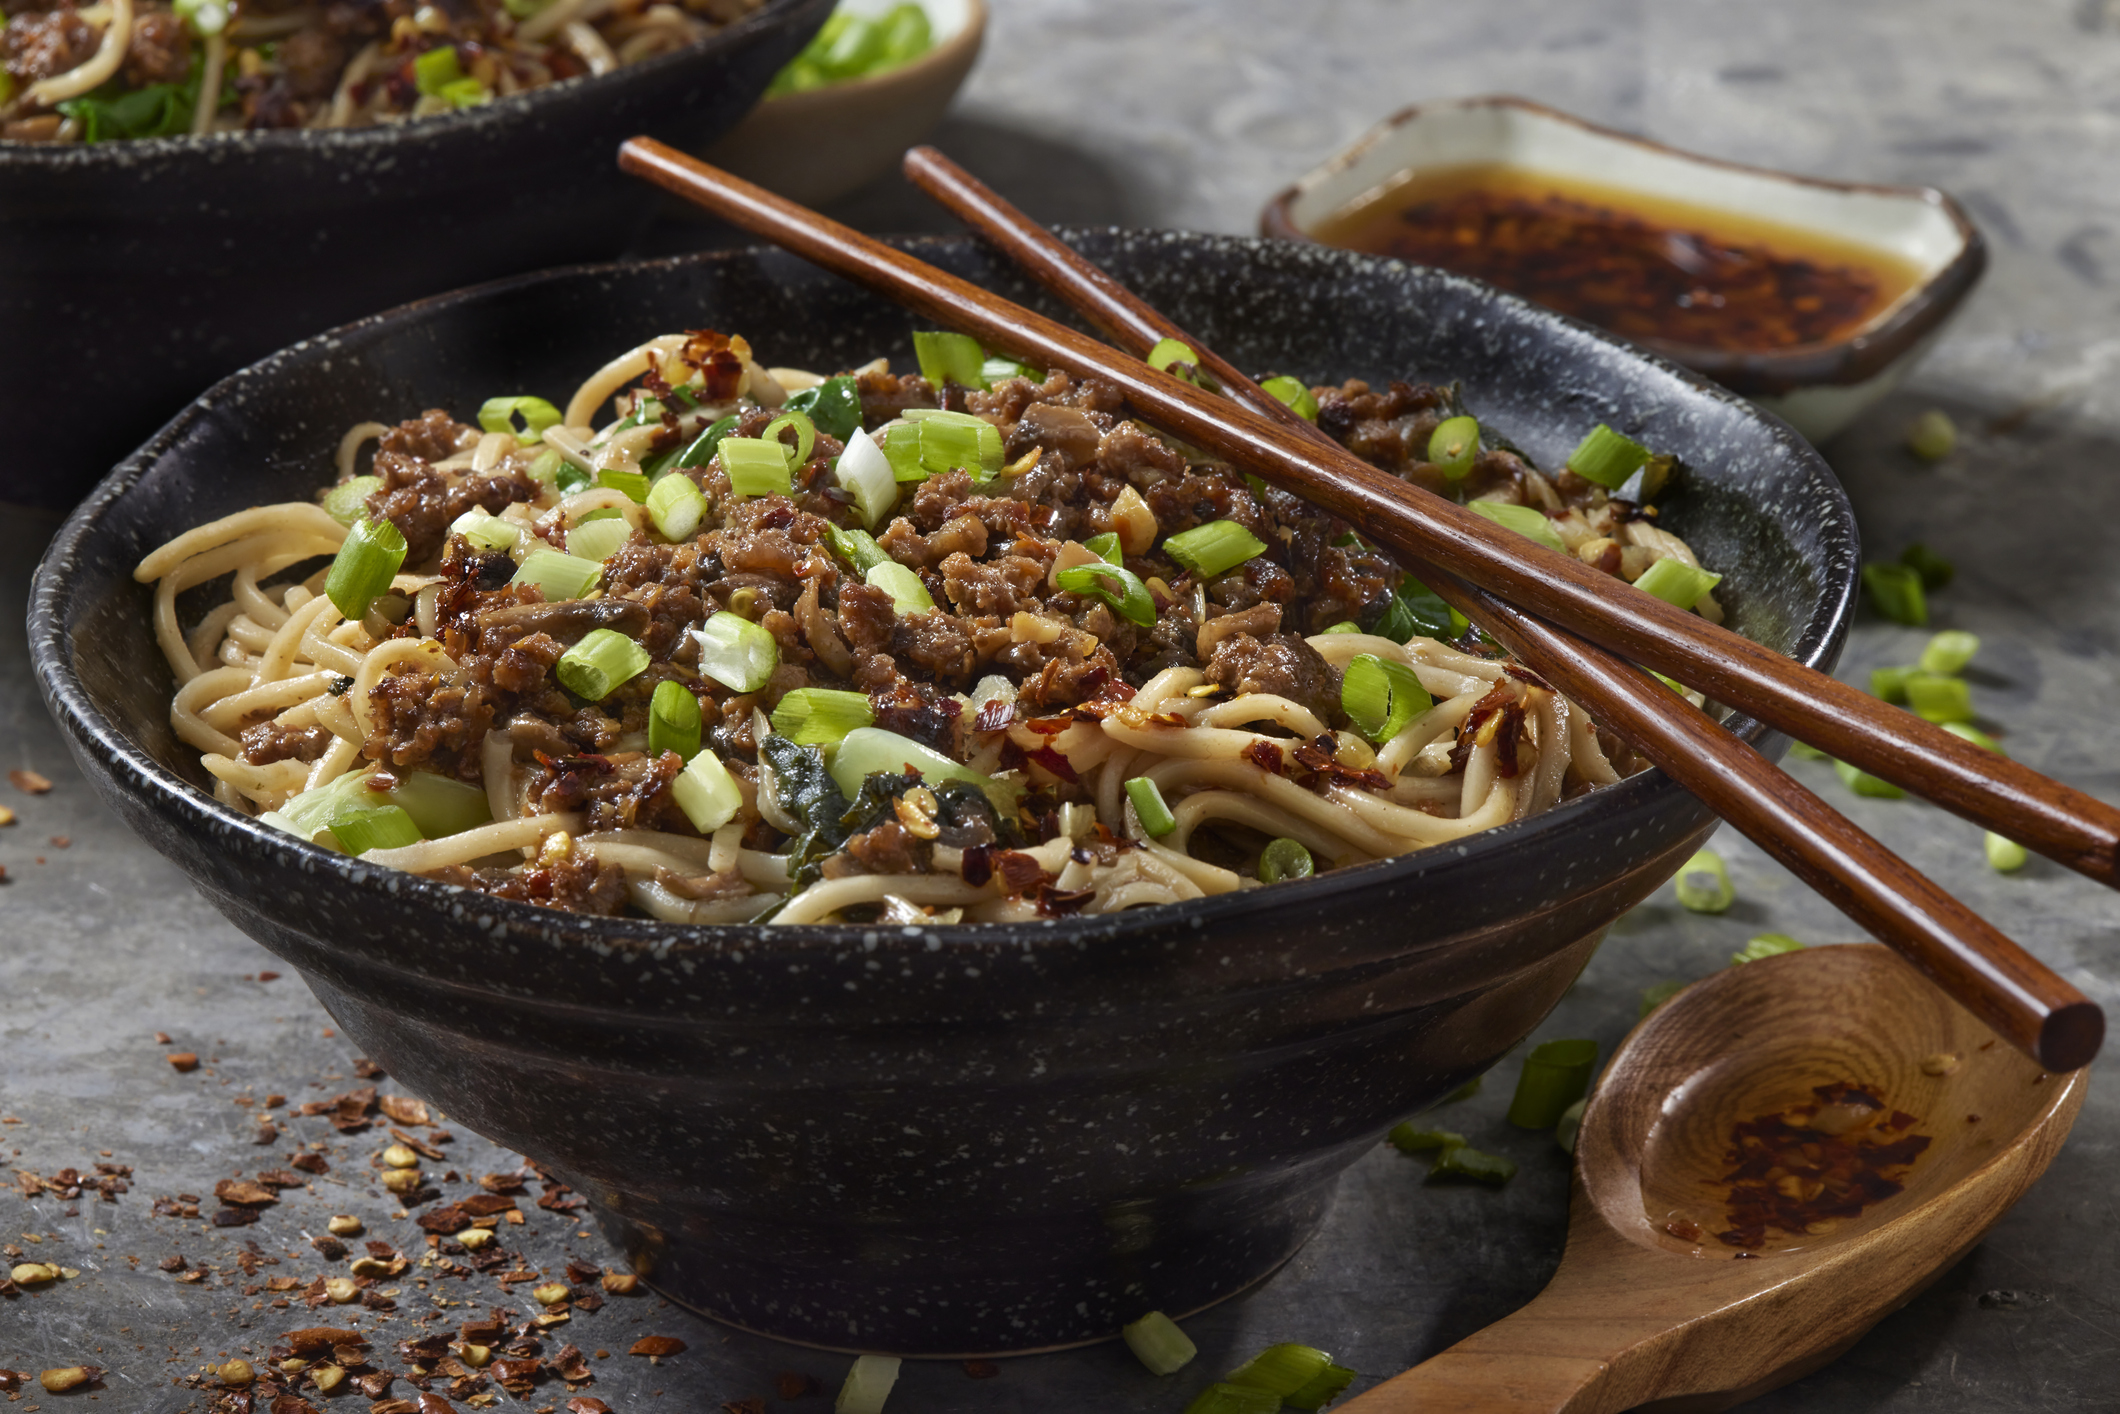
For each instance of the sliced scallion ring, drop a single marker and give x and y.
(1150, 808)
(805, 436)
(485, 531)
(558, 576)
(868, 1385)
(1327, 1384)
(1106, 547)
(867, 475)
(1863, 783)
(366, 563)
(1291, 393)
(1381, 695)
(1214, 549)
(1527, 521)
(1607, 458)
(604, 658)
(857, 547)
(676, 506)
(1280, 1369)
(1555, 1075)
(735, 652)
(1676, 582)
(2004, 855)
(949, 358)
(1895, 590)
(1455, 446)
(1130, 597)
(1976, 736)
(633, 485)
(908, 594)
(821, 716)
(1284, 858)
(345, 502)
(1937, 698)
(1765, 945)
(706, 792)
(1704, 884)
(1158, 1343)
(1890, 684)
(360, 828)
(1949, 652)
(951, 441)
(756, 467)
(598, 539)
(673, 721)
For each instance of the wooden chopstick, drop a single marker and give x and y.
(2069, 827)
(1969, 959)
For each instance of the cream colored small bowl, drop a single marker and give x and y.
(825, 142)
(1819, 388)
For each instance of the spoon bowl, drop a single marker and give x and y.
(1650, 1306)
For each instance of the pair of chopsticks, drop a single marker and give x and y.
(1542, 606)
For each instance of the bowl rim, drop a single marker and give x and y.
(498, 113)
(911, 74)
(1855, 357)
(131, 769)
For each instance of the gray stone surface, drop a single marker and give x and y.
(1190, 113)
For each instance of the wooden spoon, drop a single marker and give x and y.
(1640, 1315)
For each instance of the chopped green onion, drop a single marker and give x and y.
(558, 576)
(1976, 736)
(1765, 945)
(485, 531)
(466, 93)
(1284, 858)
(676, 507)
(1948, 652)
(1106, 547)
(1158, 1343)
(1940, 699)
(600, 662)
(1890, 684)
(949, 358)
(364, 566)
(1863, 783)
(440, 806)
(866, 750)
(1155, 816)
(1804, 751)
(1170, 351)
(868, 1385)
(1281, 1369)
(1555, 1075)
(1463, 1162)
(867, 475)
(1656, 994)
(545, 466)
(1455, 446)
(1297, 398)
(1408, 1139)
(343, 502)
(1570, 1125)
(756, 467)
(706, 792)
(1381, 695)
(707, 443)
(1343, 626)
(953, 440)
(1527, 521)
(1932, 436)
(1607, 458)
(673, 721)
(570, 478)
(361, 828)
(1214, 549)
(206, 18)
(1895, 590)
(1233, 1399)
(998, 368)
(1704, 884)
(1934, 569)
(432, 70)
(1131, 598)
(820, 716)
(901, 447)
(634, 484)
(857, 547)
(735, 652)
(524, 9)
(805, 436)
(908, 594)
(2005, 856)
(1676, 582)
(833, 405)
(598, 539)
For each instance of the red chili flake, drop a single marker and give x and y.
(62, 842)
(183, 1060)
(792, 1384)
(1319, 758)
(1051, 726)
(571, 1364)
(1265, 755)
(1019, 871)
(657, 1345)
(1058, 903)
(310, 1163)
(978, 866)
(29, 782)
(981, 1369)
(1787, 1175)
(995, 715)
(1524, 674)
(1053, 762)
(586, 1404)
(367, 1070)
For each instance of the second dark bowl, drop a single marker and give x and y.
(954, 1141)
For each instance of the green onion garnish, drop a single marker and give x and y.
(598, 539)
(570, 478)
(1280, 1369)
(1528, 521)
(1214, 549)
(1170, 351)
(999, 368)
(1607, 458)
(360, 828)
(1343, 626)
(1297, 398)
(2005, 856)
(430, 72)
(1455, 446)
(676, 507)
(343, 502)
(706, 792)
(364, 566)
(805, 436)
(1463, 1162)
(1234, 1399)
(756, 467)
(1932, 436)
(1656, 994)
(1380, 696)
(673, 721)
(820, 716)
(1895, 591)
(558, 576)
(908, 594)
(868, 476)
(1948, 652)
(1704, 884)
(857, 547)
(466, 93)
(901, 448)
(833, 405)
(950, 441)
(1976, 736)
(865, 751)
(1407, 1138)
(1676, 582)
(1940, 699)
(1106, 547)
(1555, 1075)
(1284, 858)
(1863, 783)
(600, 662)
(440, 806)
(1158, 1343)
(1934, 569)
(1154, 814)
(868, 1385)
(1131, 598)
(1890, 684)
(949, 358)
(485, 531)
(735, 652)
(1765, 945)
(634, 484)
(1570, 1125)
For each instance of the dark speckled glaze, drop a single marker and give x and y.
(135, 274)
(964, 1140)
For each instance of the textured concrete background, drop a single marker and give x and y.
(1190, 113)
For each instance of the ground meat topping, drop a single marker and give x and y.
(1282, 664)
(158, 51)
(40, 45)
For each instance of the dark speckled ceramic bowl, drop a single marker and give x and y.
(135, 274)
(981, 1139)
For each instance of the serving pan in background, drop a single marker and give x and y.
(135, 274)
(945, 1141)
